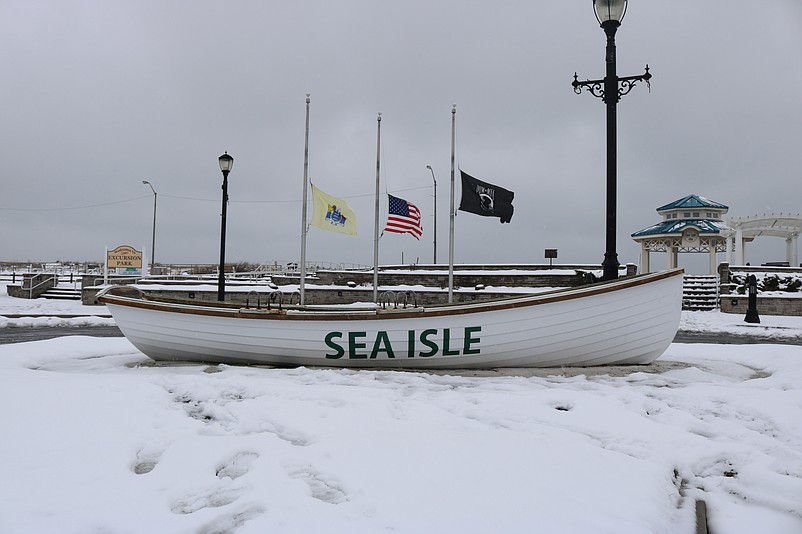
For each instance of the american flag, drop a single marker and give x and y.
(404, 218)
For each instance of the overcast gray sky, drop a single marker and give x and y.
(99, 95)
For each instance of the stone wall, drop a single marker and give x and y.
(33, 285)
(731, 302)
(88, 280)
(765, 305)
(437, 276)
(464, 284)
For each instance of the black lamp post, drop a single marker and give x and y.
(609, 14)
(751, 310)
(226, 162)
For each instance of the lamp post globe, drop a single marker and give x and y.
(610, 11)
(226, 162)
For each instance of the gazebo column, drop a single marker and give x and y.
(671, 255)
(668, 255)
(644, 258)
(739, 247)
(729, 249)
(791, 254)
(712, 248)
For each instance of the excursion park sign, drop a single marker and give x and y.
(124, 257)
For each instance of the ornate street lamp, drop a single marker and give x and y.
(435, 213)
(609, 13)
(610, 10)
(226, 162)
(153, 238)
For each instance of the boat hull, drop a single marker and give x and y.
(628, 321)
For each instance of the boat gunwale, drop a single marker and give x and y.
(311, 314)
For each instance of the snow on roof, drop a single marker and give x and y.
(693, 201)
(705, 226)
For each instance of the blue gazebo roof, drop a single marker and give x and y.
(692, 201)
(705, 226)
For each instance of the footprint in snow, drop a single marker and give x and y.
(237, 465)
(323, 488)
(147, 457)
(228, 523)
(209, 498)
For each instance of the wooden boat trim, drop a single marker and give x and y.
(311, 314)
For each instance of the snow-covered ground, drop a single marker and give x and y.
(97, 438)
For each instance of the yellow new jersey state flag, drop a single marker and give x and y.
(331, 213)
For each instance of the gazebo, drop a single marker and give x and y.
(690, 224)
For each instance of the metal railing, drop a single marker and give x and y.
(31, 288)
(396, 299)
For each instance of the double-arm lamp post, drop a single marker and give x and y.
(609, 14)
(226, 162)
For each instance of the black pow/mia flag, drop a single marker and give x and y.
(488, 200)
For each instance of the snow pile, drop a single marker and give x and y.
(776, 284)
(770, 326)
(41, 306)
(99, 438)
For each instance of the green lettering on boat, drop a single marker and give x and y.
(468, 340)
(424, 338)
(338, 350)
(353, 346)
(447, 342)
(382, 344)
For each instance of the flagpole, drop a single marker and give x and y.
(451, 211)
(303, 202)
(434, 233)
(376, 213)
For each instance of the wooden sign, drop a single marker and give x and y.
(124, 256)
